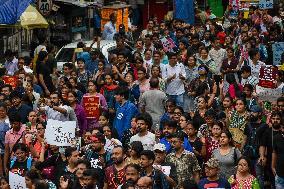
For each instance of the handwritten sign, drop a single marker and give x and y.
(91, 106)
(267, 76)
(16, 181)
(60, 133)
(168, 44)
(266, 94)
(10, 80)
(278, 50)
(265, 4)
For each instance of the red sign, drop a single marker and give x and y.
(10, 80)
(267, 77)
(91, 106)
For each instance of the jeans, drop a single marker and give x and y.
(279, 182)
(178, 99)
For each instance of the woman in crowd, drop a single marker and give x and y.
(191, 70)
(136, 148)
(79, 111)
(93, 122)
(134, 88)
(143, 80)
(243, 177)
(227, 155)
(238, 120)
(108, 91)
(156, 72)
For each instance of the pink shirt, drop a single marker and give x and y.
(11, 137)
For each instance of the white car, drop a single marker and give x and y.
(65, 54)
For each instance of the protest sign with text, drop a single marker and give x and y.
(16, 181)
(91, 106)
(60, 133)
(278, 49)
(267, 94)
(267, 76)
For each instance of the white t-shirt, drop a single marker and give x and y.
(148, 141)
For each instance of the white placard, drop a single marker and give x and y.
(265, 4)
(16, 181)
(278, 49)
(60, 133)
(267, 94)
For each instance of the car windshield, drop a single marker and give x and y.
(65, 55)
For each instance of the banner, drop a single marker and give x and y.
(10, 80)
(16, 181)
(168, 44)
(267, 76)
(60, 133)
(184, 10)
(265, 4)
(278, 50)
(267, 94)
(91, 106)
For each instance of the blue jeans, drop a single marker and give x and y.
(279, 182)
(178, 99)
(259, 171)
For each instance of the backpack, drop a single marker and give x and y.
(29, 162)
(251, 146)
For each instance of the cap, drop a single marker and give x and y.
(213, 163)
(256, 109)
(161, 147)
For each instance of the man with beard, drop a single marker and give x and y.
(132, 174)
(254, 131)
(57, 111)
(144, 123)
(266, 145)
(170, 127)
(115, 174)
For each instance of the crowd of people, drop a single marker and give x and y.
(187, 117)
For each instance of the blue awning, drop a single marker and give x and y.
(11, 10)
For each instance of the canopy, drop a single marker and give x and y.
(30, 19)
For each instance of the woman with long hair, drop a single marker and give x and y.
(235, 89)
(143, 80)
(133, 87)
(136, 148)
(238, 120)
(227, 155)
(79, 111)
(102, 105)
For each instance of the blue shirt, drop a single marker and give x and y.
(123, 117)
(4, 127)
(186, 145)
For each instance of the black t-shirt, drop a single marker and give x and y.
(267, 141)
(45, 70)
(20, 168)
(23, 112)
(279, 149)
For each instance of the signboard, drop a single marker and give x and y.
(16, 181)
(267, 94)
(91, 106)
(168, 44)
(267, 76)
(10, 80)
(265, 4)
(44, 6)
(278, 50)
(60, 133)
